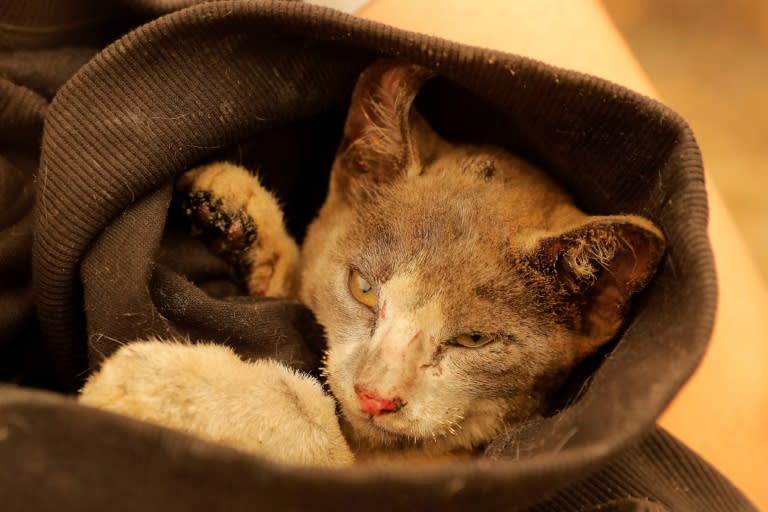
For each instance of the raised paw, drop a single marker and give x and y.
(230, 210)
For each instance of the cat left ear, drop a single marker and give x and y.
(384, 137)
(600, 265)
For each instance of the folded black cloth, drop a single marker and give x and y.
(90, 142)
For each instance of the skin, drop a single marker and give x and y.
(722, 413)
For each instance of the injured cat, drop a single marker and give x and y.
(458, 286)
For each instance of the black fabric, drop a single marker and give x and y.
(93, 460)
(267, 83)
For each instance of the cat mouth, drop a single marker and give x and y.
(382, 424)
(389, 435)
(398, 428)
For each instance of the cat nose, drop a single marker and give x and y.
(375, 405)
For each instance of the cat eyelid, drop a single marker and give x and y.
(363, 290)
(472, 339)
(354, 269)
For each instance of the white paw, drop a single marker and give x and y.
(261, 407)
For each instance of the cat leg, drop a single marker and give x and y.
(241, 221)
(261, 407)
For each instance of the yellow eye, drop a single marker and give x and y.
(472, 340)
(362, 290)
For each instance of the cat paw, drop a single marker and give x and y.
(260, 407)
(241, 221)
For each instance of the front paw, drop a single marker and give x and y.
(261, 407)
(241, 221)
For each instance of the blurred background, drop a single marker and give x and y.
(708, 59)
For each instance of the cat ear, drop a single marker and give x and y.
(599, 265)
(384, 137)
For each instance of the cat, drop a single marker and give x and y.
(459, 286)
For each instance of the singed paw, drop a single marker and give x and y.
(241, 221)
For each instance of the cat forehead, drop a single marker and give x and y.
(460, 202)
(464, 224)
(475, 284)
(435, 227)
(490, 163)
(426, 211)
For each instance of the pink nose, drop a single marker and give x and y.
(375, 405)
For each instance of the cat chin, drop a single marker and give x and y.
(402, 432)
(371, 437)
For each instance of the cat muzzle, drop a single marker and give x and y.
(375, 405)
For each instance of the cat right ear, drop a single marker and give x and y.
(384, 137)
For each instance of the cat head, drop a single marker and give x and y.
(458, 284)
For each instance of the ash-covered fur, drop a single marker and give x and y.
(454, 240)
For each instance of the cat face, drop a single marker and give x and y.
(412, 301)
(458, 285)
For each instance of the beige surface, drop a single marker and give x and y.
(723, 412)
(708, 59)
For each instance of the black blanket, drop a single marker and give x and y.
(92, 134)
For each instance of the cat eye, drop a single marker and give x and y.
(362, 290)
(471, 340)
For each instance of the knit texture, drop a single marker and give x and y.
(267, 84)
